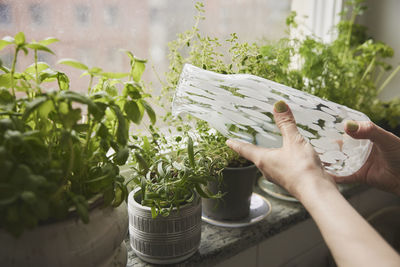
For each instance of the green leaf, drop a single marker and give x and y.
(150, 112)
(200, 191)
(129, 53)
(33, 105)
(5, 42)
(45, 108)
(28, 197)
(121, 193)
(146, 145)
(5, 80)
(154, 212)
(137, 70)
(41, 66)
(6, 99)
(95, 70)
(47, 75)
(8, 194)
(114, 75)
(122, 130)
(48, 40)
(102, 131)
(63, 81)
(122, 156)
(19, 38)
(191, 152)
(143, 166)
(132, 90)
(37, 46)
(77, 97)
(73, 63)
(132, 111)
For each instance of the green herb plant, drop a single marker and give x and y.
(205, 52)
(170, 173)
(349, 71)
(60, 149)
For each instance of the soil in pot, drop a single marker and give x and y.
(237, 186)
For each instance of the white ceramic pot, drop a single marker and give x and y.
(164, 240)
(71, 243)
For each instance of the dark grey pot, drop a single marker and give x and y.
(237, 185)
(164, 240)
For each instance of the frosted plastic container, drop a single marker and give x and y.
(240, 106)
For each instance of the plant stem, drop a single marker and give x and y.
(37, 73)
(14, 63)
(368, 68)
(90, 83)
(88, 135)
(391, 76)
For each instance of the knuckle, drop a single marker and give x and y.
(285, 121)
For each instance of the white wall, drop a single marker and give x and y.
(383, 21)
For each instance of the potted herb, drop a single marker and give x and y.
(62, 199)
(349, 71)
(165, 205)
(235, 177)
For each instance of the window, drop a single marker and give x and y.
(5, 14)
(82, 14)
(110, 15)
(88, 30)
(37, 13)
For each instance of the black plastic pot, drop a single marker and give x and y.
(237, 185)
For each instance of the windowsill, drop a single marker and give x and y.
(219, 244)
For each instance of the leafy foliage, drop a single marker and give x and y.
(59, 148)
(203, 51)
(348, 71)
(170, 173)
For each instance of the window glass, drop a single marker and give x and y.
(94, 31)
(5, 14)
(37, 13)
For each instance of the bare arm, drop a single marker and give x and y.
(296, 166)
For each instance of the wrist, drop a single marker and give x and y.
(313, 187)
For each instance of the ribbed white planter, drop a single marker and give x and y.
(164, 240)
(71, 243)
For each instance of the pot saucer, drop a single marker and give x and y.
(259, 209)
(275, 190)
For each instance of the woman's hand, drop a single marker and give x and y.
(382, 168)
(295, 165)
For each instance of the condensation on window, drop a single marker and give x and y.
(94, 31)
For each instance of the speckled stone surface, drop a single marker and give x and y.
(219, 243)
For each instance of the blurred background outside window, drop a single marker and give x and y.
(94, 31)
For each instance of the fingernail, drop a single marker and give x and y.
(280, 106)
(352, 126)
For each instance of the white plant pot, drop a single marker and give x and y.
(71, 243)
(164, 240)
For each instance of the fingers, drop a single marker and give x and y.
(369, 130)
(246, 150)
(285, 121)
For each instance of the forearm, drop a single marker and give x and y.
(352, 241)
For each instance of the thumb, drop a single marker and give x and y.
(371, 131)
(285, 121)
